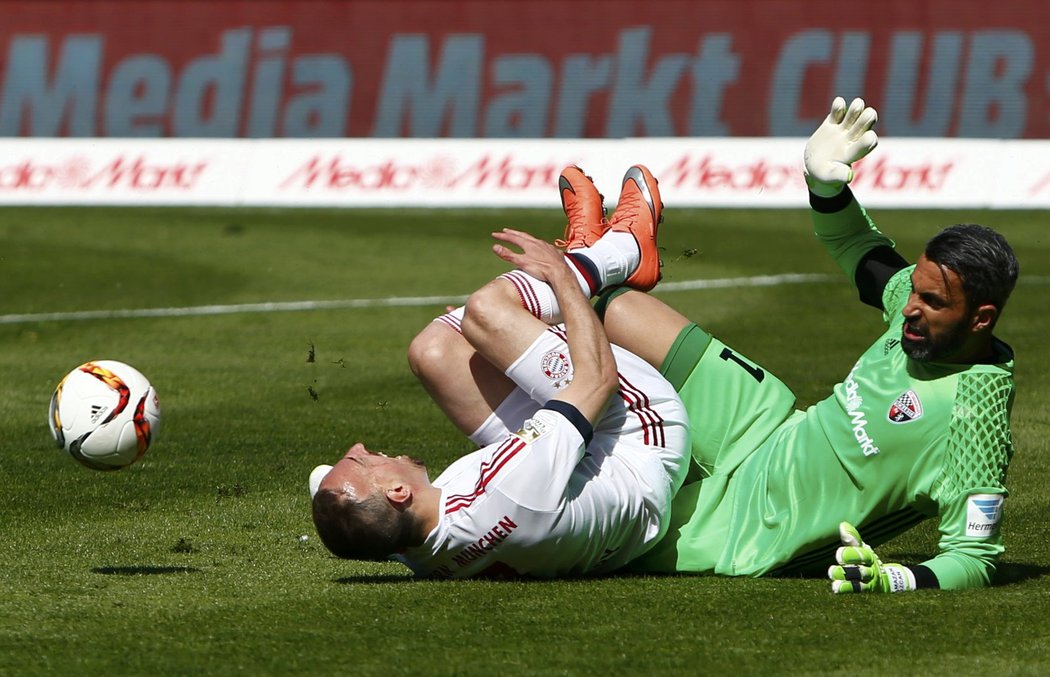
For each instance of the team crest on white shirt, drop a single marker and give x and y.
(905, 408)
(557, 367)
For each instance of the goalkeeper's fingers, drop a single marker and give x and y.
(838, 110)
(849, 555)
(853, 578)
(862, 146)
(841, 587)
(849, 535)
(864, 122)
(852, 572)
(853, 113)
(848, 587)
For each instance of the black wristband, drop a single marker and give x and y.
(578, 420)
(831, 205)
(924, 577)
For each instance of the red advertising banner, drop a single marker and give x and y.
(526, 69)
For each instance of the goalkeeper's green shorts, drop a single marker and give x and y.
(733, 404)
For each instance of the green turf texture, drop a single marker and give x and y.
(193, 561)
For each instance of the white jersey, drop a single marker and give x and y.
(544, 502)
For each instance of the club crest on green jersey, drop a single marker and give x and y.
(905, 408)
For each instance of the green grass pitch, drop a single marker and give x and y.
(194, 561)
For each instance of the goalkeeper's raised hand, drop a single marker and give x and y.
(859, 569)
(844, 137)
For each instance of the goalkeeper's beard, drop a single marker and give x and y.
(932, 348)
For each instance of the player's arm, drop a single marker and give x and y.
(594, 377)
(970, 543)
(971, 489)
(841, 224)
(970, 547)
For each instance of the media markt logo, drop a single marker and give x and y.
(983, 512)
(905, 408)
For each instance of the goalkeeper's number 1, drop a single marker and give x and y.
(756, 372)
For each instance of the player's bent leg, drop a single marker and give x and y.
(464, 385)
(497, 325)
(507, 418)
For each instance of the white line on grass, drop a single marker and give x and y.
(411, 301)
(403, 301)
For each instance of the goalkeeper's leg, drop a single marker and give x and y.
(734, 403)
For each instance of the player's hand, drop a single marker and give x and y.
(844, 137)
(540, 259)
(859, 569)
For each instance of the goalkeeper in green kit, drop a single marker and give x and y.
(919, 428)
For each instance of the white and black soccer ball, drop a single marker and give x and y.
(104, 414)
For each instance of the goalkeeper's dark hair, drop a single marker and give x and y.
(981, 257)
(367, 529)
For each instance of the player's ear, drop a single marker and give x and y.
(983, 317)
(399, 495)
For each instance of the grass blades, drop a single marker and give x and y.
(202, 557)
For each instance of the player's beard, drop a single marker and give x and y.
(933, 348)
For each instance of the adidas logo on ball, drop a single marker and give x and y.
(97, 412)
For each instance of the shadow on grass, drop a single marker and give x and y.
(1008, 573)
(1016, 572)
(143, 571)
(519, 580)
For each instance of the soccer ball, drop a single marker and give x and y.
(105, 414)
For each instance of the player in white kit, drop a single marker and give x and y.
(586, 484)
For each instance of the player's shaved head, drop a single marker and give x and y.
(365, 529)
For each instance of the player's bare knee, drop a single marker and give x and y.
(487, 309)
(430, 349)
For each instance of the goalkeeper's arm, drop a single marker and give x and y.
(965, 559)
(840, 223)
(959, 566)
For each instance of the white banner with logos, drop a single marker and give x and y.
(693, 172)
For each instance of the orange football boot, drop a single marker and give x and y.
(640, 212)
(584, 208)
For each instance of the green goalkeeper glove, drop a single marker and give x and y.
(844, 137)
(859, 569)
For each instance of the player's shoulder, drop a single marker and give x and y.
(984, 391)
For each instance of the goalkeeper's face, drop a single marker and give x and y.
(938, 324)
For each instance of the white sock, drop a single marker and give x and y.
(610, 261)
(544, 368)
(614, 257)
(453, 318)
(536, 296)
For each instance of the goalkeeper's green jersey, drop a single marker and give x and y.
(897, 442)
